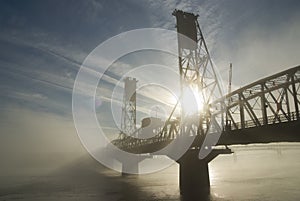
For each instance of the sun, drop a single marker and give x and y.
(191, 101)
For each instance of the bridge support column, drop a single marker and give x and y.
(132, 166)
(193, 174)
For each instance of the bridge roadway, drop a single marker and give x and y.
(262, 112)
(288, 131)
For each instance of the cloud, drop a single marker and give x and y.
(259, 51)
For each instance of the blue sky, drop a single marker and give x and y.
(43, 44)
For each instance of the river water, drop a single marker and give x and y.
(247, 175)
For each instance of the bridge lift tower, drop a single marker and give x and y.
(197, 72)
(195, 66)
(128, 121)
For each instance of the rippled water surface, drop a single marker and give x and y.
(246, 175)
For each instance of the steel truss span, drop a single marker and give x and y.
(272, 100)
(268, 105)
(265, 111)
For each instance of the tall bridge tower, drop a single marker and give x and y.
(128, 121)
(196, 68)
(197, 73)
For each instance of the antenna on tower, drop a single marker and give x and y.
(228, 97)
(230, 78)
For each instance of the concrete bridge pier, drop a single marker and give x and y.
(194, 173)
(193, 176)
(130, 166)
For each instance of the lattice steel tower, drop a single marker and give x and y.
(196, 67)
(128, 121)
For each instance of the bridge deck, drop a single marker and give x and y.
(262, 112)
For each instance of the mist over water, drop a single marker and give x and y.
(246, 175)
(257, 175)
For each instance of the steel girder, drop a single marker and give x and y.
(271, 100)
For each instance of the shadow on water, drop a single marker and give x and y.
(196, 196)
(136, 192)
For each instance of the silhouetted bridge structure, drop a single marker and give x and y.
(265, 111)
(262, 112)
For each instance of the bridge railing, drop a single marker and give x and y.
(271, 120)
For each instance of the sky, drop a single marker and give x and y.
(43, 44)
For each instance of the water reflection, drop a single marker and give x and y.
(196, 197)
(249, 175)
